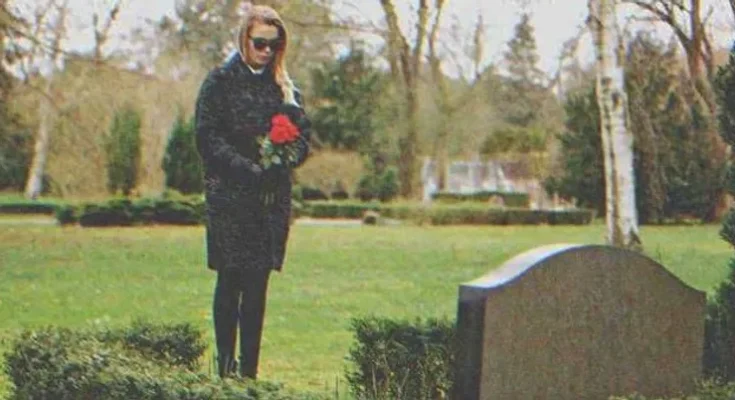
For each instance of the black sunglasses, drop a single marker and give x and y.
(261, 43)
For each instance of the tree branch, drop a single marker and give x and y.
(398, 57)
(101, 34)
(665, 16)
(423, 18)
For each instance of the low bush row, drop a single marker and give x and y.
(145, 361)
(508, 199)
(190, 210)
(448, 214)
(28, 207)
(127, 212)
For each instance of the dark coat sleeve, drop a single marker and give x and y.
(298, 116)
(211, 125)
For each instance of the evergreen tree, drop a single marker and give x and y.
(521, 58)
(345, 102)
(650, 74)
(719, 349)
(181, 163)
(725, 92)
(523, 93)
(675, 174)
(581, 154)
(123, 151)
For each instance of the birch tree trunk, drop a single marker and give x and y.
(617, 140)
(34, 183)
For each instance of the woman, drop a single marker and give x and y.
(248, 206)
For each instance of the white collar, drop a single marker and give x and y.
(255, 71)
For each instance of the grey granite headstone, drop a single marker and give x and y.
(578, 322)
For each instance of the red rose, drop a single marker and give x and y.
(282, 129)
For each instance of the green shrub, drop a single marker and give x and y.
(66, 214)
(297, 193)
(526, 217)
(116, 212)
(170, 209)
(342, 209)
(181, 163)
(122, 148)
(28, 207)
(174, 344)
(710, 389)
(719, 347)
(571, 217)
(16, 152)
(450, 214)
(382, 186)
(310, 193)
(176, 213)
(393, 359)
(456, 214)
(415, 212)
(142, 362)
(63, 212)
(510, 199)
(719, 332)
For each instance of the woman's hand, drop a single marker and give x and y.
(270, 181)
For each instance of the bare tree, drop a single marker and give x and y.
(447, 104)
(405, 64)
(686, 20)
(617, 139)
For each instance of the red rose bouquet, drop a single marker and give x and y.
(277, 147)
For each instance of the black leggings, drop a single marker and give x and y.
(239, 298)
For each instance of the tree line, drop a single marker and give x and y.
(60, 120)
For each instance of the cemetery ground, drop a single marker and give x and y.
(81, 277)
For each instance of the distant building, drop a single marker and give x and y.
(468, 177)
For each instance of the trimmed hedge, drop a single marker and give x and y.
(190, 210)
(400, 359)
(340, 209)
(126, 212)
(450, 214)
(145, 362)
(28, 207)
(510, 199)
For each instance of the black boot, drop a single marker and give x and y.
(226, 302)
(226, 366)
(252, 313)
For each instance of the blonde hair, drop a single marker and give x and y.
(267, 15)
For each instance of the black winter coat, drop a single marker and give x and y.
(233, 109)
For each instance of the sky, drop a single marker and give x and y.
(554, 21)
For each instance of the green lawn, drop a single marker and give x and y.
(80, 276)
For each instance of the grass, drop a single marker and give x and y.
(78, 277)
